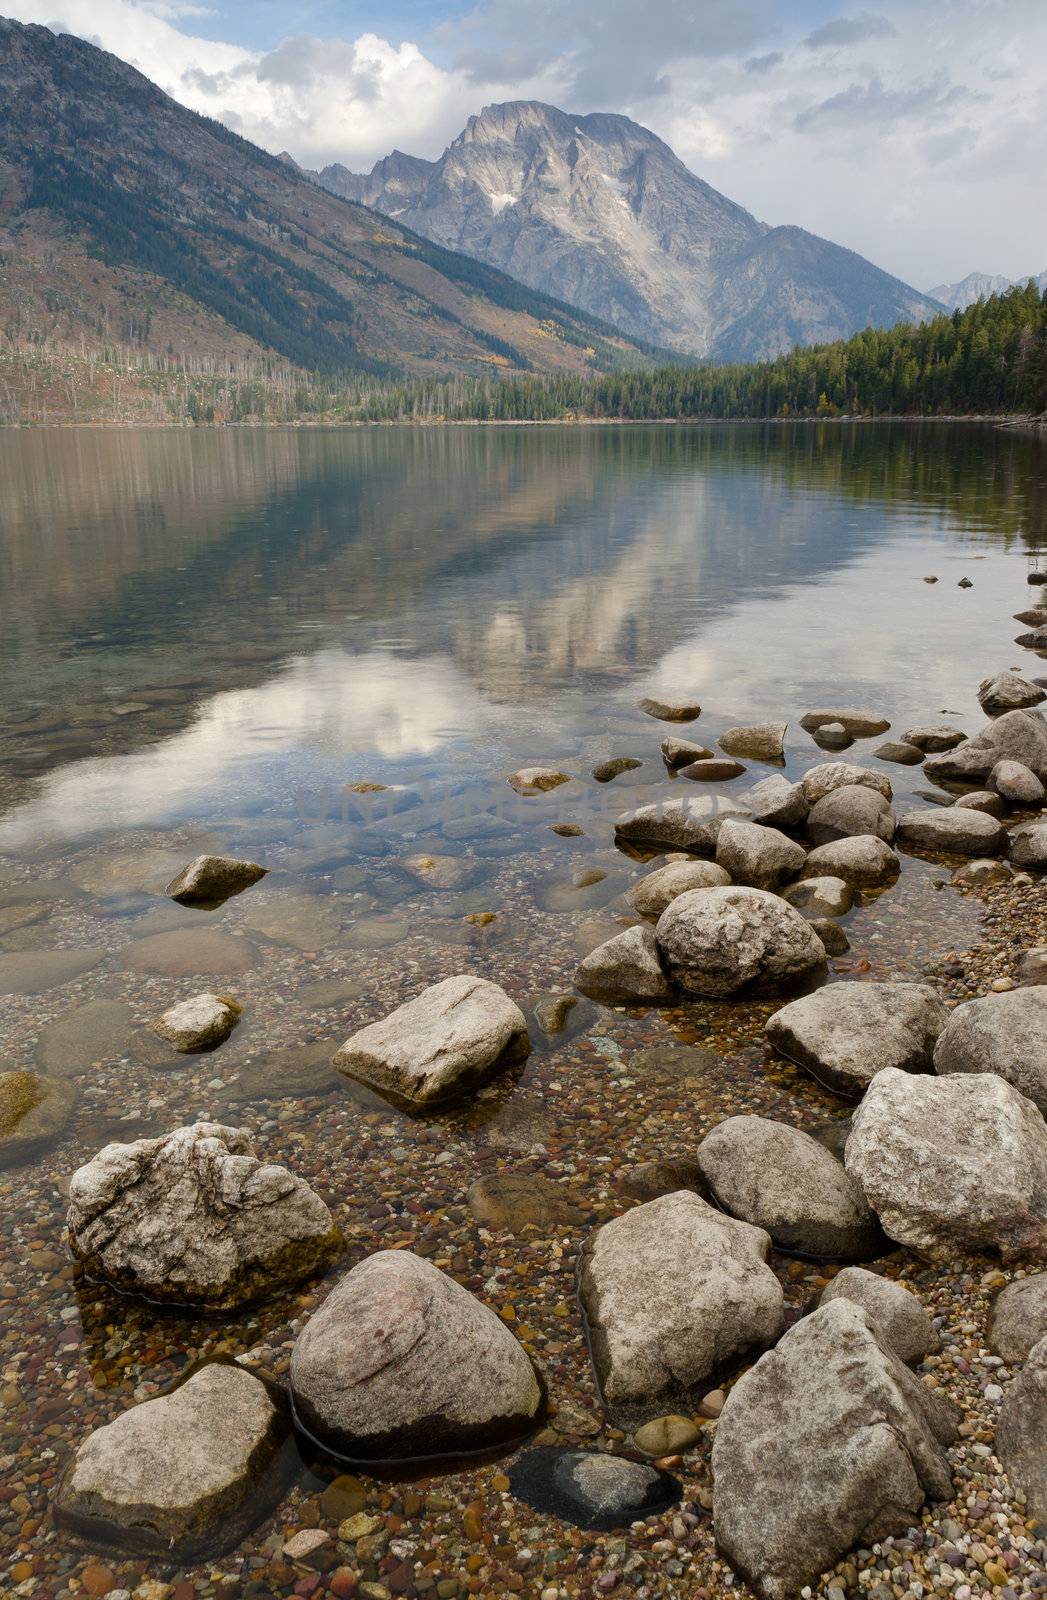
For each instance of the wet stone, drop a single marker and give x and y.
(515, 1201)
(34, 1113)
(303, 921)
(590, 1489)
(97, 1030)
(34, 971)
(202, 952)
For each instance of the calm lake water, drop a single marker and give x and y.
(211, 639)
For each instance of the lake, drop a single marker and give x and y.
(327, 650)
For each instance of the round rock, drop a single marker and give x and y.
(897, 1317)
(200, 1023)
(759, 857)
(717, 942)
(951, 831)
(654, 892)
(1019, 1319)
(763, 742)
(865, 862)
(820, 897)
(849, 812)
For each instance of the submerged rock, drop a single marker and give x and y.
(763, 742)
(400, 1362)
(1001, 1033)
(34, 1113)
(625, 970)
(931, 737)
(605, 771)
(678, 752)
(954, 1163)
(691, 824)
(846, 1033)
(208, 880)
(183, 1475)
(859, 724)
(590, 1488)
(447, 1040)
(200, 1023)
(716, 942)
(820, 897)
(829, 1441)
(654, 892)
(194, 1218)
(672, 1292)
(979, 872)
(895, 1315)
(757, 856)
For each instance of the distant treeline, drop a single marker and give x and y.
(990, 358)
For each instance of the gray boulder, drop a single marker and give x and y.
(1001, 1033)
(625, 970)
(819, 781)
(832, 736)
(1021, 1432)
(654, 892)
(763, 742)
(1016, 784)
(951, 831)
(930, 737)
(673, 1293)
(716, 942)
(690, 824)
(777, 803)
(1032, 966)
(444, 1042)
(1019, 1319)
(195, 1218)
(208, 880)
(895, 1315)
(1014, 736)
(954, 1163)
(677, 752)
(850, 812)
(184, 1475)
(1028, 846)
(780, 1179)
(820, 897)
(859, 724)
(757, 856)
(846, 1033)
(829, 1441)
(1008, 691)
(865, 861)
(400, 1361)
(199, 1023)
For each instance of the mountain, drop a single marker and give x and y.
(128, 221)
(979, 286)
(598, 211)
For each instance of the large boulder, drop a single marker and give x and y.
(625, 970)
(846, 1033)
(1015, 736)
(184, 1475)
(865, 862)
(1016, 783)
(1019, 1318)
(1008, 691)
(859, 724)
(849, 812)
(673, 1293)
(691, 824)
(208, 880)
(1028, 846)
(951, 830)
(444, 1042)
(400, 1361)
(955, 1163)
(758, 856)
(195, 1218)
(1001, 1033)
(820, 897)
(829, 1441)
(777, 803)
(819, 781)
(780, 1179)
(763, 742)
(1021, 1432)
(895, 1315)
(655, 891)
(716, 942)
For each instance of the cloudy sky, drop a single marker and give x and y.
(914, 131)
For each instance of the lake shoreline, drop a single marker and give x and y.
(1016, 421)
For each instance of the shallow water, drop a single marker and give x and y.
(210, 638)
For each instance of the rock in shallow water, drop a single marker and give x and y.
(1015, 736)
(952, 831)
(199, 1023)
(447, 1040)
(821, 780)
(762, 742)
(626, 970)
(1028, 846)
(1008, 691)
(846, 1033)
(670, 710)
(865, 862)
(613, 768)
(827, 1442)
(820, 897)
(1001, 1033)
(716, 942)
(537, 780)
(759, 857)
(1016, 784)
(659, 888)
(183, 1475)
(401, 1362)
(690, 824)
(677, 752)
(852, 811)
(195, 1219)
(931, 737)
(34, 1113)
(208, 880)
(672, 1292)
(777, 803)
(895, 1315)
(592, 1489)
(859, 724)
(956, 1163)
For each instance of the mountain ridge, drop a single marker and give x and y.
(979, 286)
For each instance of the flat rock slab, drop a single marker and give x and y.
(1001, 1033)
(591, 1489)
(1021, 1433)
(948, 1164)
(183, 1475)
(1019, 1319)
(197, 952)
(859, 724)
(895, 1315)
(445, 1042)
(828, 1442)
(401, 1362)
(673, 1292)
(36, 971)
(952, 831)
(97, 1031)
(846, 1033)
(34, 1114)
(717, 942)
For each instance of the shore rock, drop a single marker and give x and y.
(1028, 846)
(716, 942)
(537, 780)
(898, 751)
(846, 1033)
(763, 742)
(819, 781)
(200, 1023)
(678, 752)
(930, 737)
(985, 800)
(606, 771)
(895, 1315)
(1008, 691)
(194, 1218)
(654, 892)
(183, 1475)
(444, 1042)
(1001, 1033)
(1019, 1319)
(830, 933)
(859, 724)
(400, 1361)
(1014, 736)
(951, 831)
(208, 880)
(865, 861)
(777, 803)
(673, 1291)
(691, 824)
(1016, 784)
(832, 736)
(1021, 1432)
(979, 872)
(820, 897)
(1032, 967)
(670, 710)
(34, 1114)
(759, 857)
(849, 813)
(717, 769)
(625, 970)
(829, 1441)
(590, 1488)
(954, 1163)
(1035, 639)
(781, 1180)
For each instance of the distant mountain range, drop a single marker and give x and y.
(126, 220)
(599, 212)
(979, 286)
